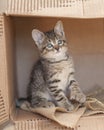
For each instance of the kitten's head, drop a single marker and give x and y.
(52, 44)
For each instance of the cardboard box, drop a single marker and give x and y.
(18, 53)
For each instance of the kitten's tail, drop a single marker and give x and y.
(20, 102)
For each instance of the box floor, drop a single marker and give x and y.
(9, 127)
(95, 122)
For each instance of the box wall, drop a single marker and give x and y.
(58, 8)
(10, 57)
(4, 102)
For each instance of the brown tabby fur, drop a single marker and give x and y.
(52, 79)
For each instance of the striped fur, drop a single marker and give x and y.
(52, 79)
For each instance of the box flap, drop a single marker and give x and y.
(4, 109)
(56, 8)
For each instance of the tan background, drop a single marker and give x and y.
(86, 44)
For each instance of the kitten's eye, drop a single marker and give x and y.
(60, 42)
(49, 46)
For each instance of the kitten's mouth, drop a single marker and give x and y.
(58, 51)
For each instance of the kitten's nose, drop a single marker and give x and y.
(56, 47)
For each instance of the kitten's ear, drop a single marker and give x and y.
(38, 37)
(58, 29)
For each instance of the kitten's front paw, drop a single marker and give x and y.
(45, 104)
(70, 108)
(78, 95)
(48, 105)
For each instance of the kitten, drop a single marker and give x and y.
(52, 79)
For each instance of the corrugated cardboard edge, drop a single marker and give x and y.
(38, 124)
(54, 8)
(4, 103)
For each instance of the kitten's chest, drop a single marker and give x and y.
(63, 71)
(63, 68)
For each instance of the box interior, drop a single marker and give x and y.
(86, 45)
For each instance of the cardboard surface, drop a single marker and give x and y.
(58, 8)
(91, 123)
(4, 102)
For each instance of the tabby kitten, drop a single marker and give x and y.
(52, 79)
